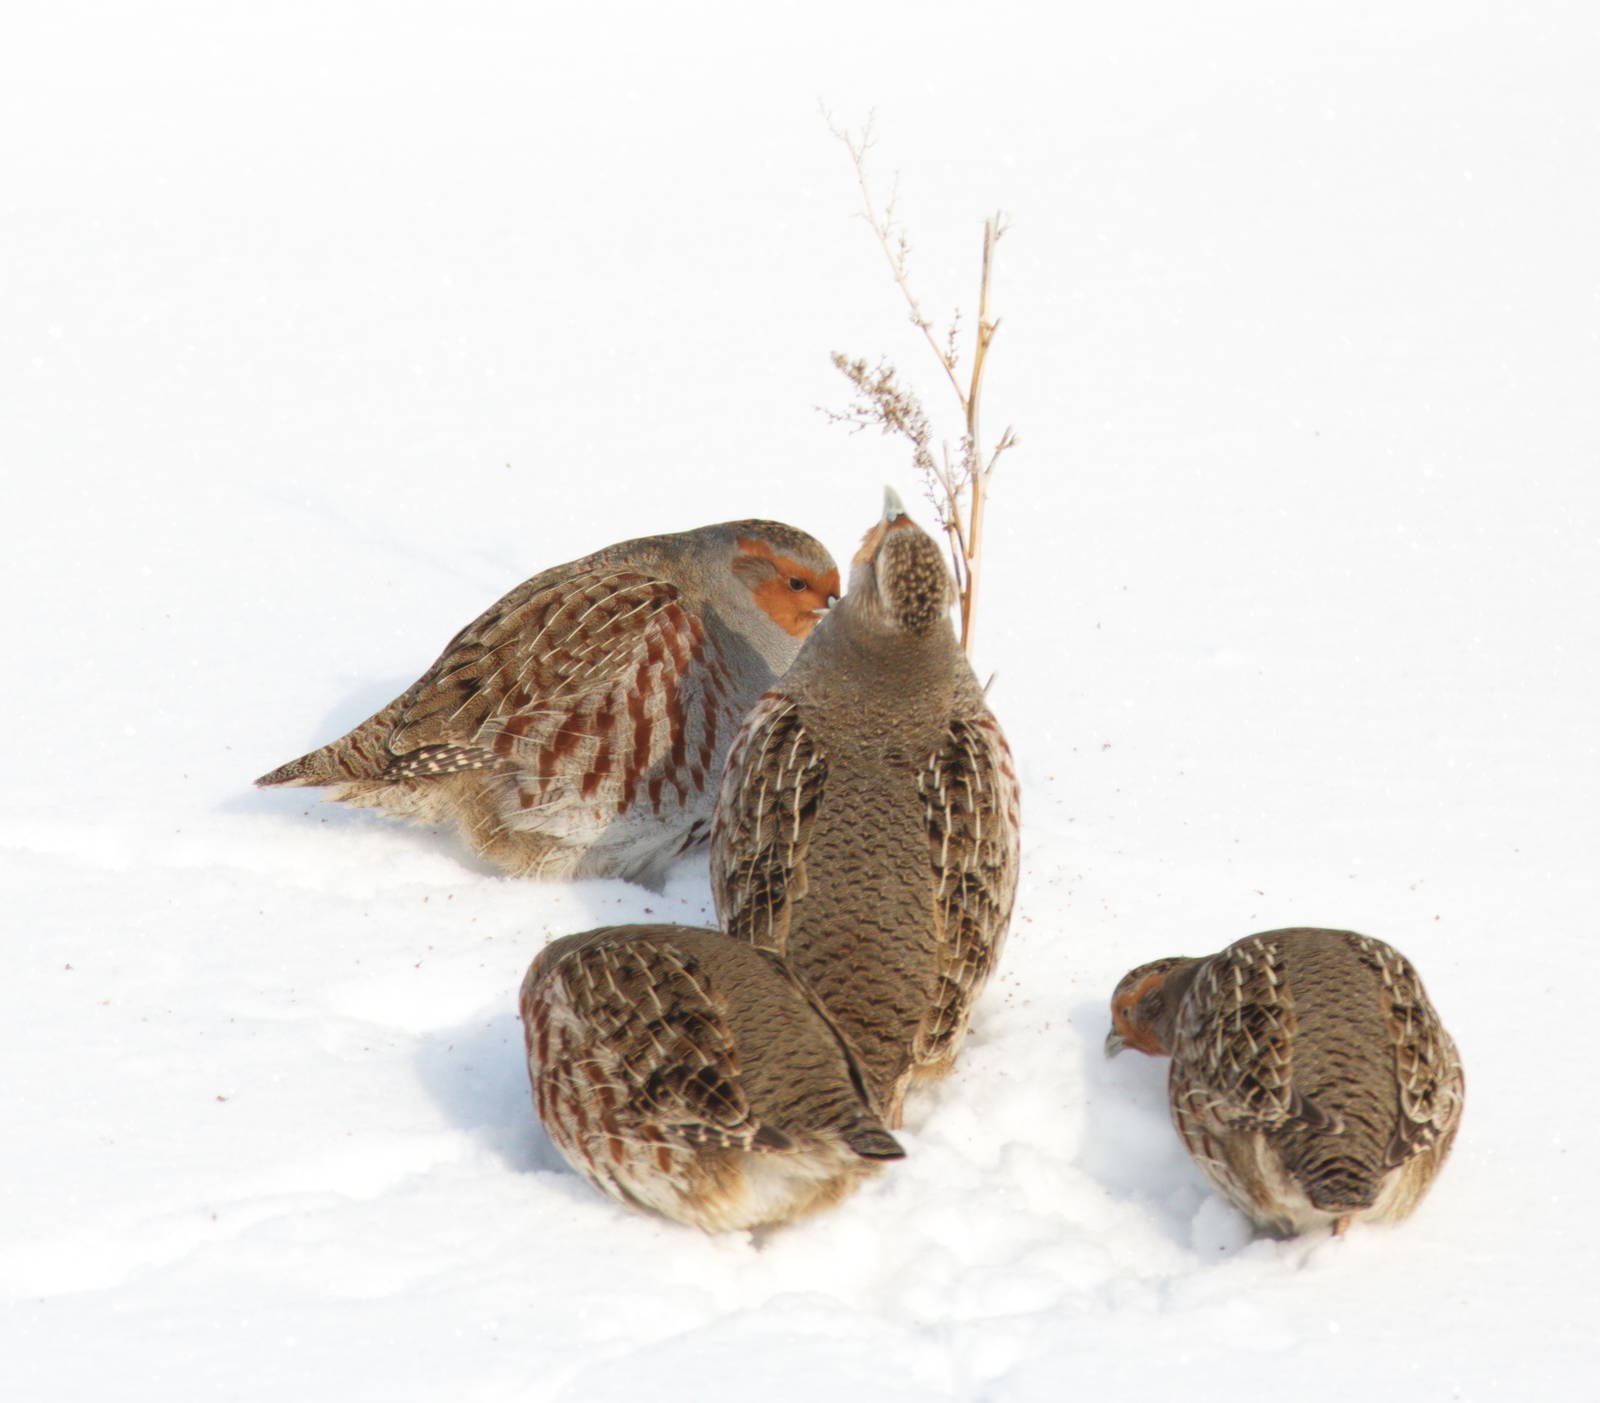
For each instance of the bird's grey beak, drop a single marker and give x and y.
(893, 507)
(1115, 1042)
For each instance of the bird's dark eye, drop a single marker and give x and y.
(797, 585)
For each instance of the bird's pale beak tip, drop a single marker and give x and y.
(893, 507)
(1115, 1042)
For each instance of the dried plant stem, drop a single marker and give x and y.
(958, 489)
(896, 250)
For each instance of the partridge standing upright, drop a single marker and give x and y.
(694, 1076)
(577, 728)
(866, 827)
(1311, 1080)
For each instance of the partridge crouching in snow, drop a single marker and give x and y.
(866, 828)
(578, 727)
(694, 1076)
(1311, 1081)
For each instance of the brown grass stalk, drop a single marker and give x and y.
(957, 485)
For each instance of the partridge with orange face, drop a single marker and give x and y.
(866, 828)
(1311, 1081)
(578, 727)
(694, 1076)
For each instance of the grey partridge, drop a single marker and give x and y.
(694, 1076)
(867, 823)
(577, 728)
(1311, 1080)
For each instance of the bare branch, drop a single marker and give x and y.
(892, 240)
(957, 488)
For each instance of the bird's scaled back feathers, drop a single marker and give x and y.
(1311, 1079)
(578, 726)
(694, 1076)
(866, 827)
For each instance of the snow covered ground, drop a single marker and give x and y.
(322, 325)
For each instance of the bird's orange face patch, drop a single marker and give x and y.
(874, 538)
(793, 595)
(1128, 1026)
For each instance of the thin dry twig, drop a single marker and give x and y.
(957, 485)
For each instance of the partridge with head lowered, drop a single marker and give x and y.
(578, 727)
(866, 827)
(1311, 1081)
(694, 1076)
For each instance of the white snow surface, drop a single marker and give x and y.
(321, 325)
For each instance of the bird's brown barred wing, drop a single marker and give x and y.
(771, 789)
(1233, 1058)
(635, 1049)
(970, 802)
(1428, 1075)
(576, 676)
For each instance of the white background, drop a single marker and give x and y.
(323, 325)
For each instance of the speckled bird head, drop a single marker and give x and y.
(898, 579)
(790, 575)
(1144, 1008)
